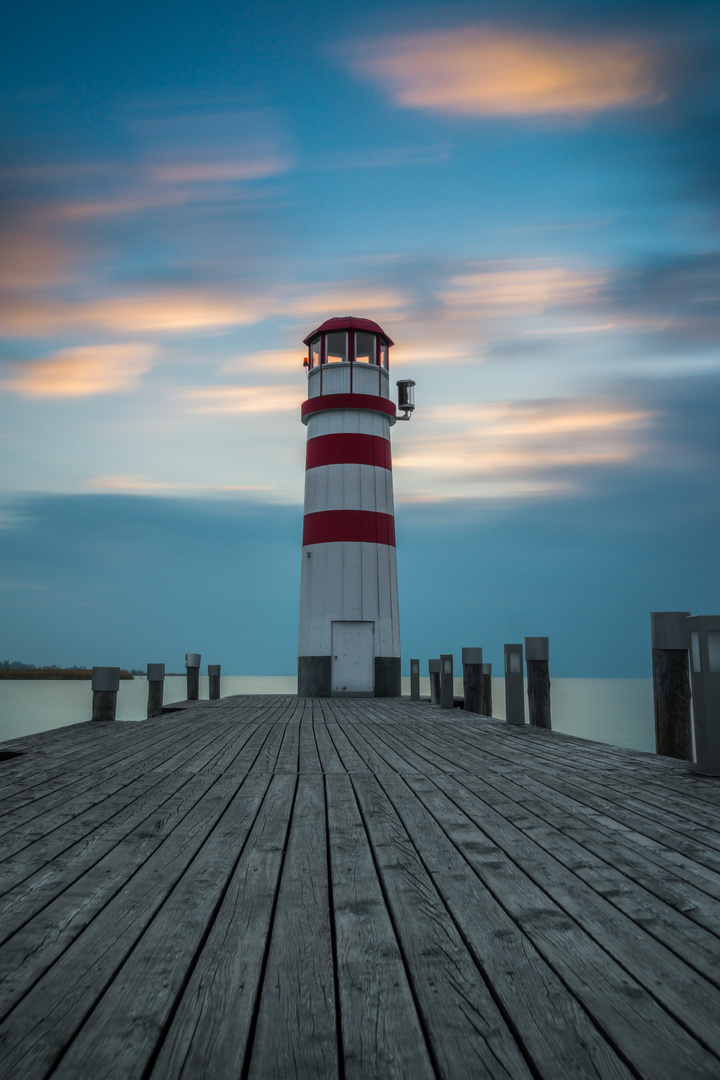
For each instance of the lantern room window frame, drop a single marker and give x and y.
(318, 350)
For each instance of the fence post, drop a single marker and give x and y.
(472, 680)
(447, 692)
(192, 663)
(214, 681)
(670, 640)
(537, 655)
(514, 689)
(487, 704)
(414, 680)
(705, 665)
(434, 673)
(105, 686)
(156, 680)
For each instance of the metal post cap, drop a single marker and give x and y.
(155, 672)
(669, 629)
(472, 656)
(537, 648)
(192, 659)
(213, 669)
(106, 679)
(433, 665)
(487, 669)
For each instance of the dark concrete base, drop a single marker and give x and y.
(315, 677)
(387, 676)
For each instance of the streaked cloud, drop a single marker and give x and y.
(503, 449)
(271, 360)
(143, 485)
(242, 399)
(212, 172)
(485, 72)
(526, 288)
(85, 371)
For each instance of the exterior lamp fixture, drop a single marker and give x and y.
(406, 397)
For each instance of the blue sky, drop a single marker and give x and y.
(524, 195)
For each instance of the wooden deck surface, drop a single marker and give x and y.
(271, 887)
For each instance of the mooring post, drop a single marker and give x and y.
(156, 680)
(486, 707)
(514, 688)
(670, 640)
(214, 681)
(105, 686)
(472, 680)
(447, 694)
(537, 655)
(414, 680)
(192, 663)
(705, 668)
(434, 673)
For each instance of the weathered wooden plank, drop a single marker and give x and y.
(209, 1034)
(381, 1031)
(122, 1033)
(468, 1034)
(43, 1023)
(556, 1033)
(623, 1007)
(296, 1032)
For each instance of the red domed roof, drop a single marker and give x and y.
(348, 322)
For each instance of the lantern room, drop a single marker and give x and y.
(348, 355)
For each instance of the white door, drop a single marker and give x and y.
(353, 657)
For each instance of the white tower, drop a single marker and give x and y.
(349, 627)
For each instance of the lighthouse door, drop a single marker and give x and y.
(353, 658)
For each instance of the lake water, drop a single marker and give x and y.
(618, 711)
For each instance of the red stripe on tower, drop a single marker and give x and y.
(361, 526)
(351, 448)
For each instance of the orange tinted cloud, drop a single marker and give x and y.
(504, 448)
(141, 485)
(82, 372)
(486, 72)
(524, 289)
(243, 399)
(218, 171)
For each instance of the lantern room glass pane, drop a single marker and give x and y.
(365, 347)
(713, 640)
(336, 346)
(315, 352)
(384, 354)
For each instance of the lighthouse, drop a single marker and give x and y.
(349, 642)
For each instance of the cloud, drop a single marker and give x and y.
(242, 399)
(211, 172)
(523, 289)
(515, 449)
(82, 372)
(271, 360)
(142, 485)
(485, 72)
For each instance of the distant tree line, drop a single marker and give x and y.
(15, 669)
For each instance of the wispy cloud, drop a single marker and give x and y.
(82, 372)
(526, 288)
(143, 485)
(505, 448)
(485, 71)
(241, 399)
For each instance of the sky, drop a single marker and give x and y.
(525, 196)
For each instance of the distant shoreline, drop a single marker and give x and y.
(52, 673)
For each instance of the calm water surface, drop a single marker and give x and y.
(618, 711)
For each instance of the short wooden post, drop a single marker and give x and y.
(705, 666)
(670, 640)
(414, 680)
(214, 681)
(447, 695)
(192, 664)
(537, 655)
(487, 702)
(472, 680)
(105, 686)
(156, 686)
(514, 688)
(434, 673)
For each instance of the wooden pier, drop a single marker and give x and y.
(271, 887)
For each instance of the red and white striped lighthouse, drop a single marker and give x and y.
(349, 626)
